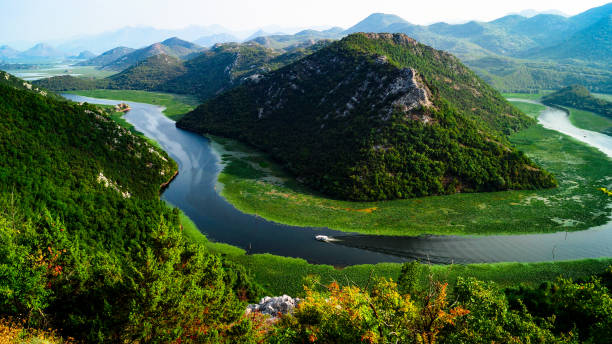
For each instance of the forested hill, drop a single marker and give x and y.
(87, 245)
(378, 116)
(149, 74)
(107, 57)
(580, 98)
(225, 66)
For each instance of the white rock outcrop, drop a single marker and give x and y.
(274, 305)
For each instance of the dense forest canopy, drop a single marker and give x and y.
(579, 97)
(378, 116)
(87, 245)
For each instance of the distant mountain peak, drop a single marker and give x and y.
(85, 55)
(532, 13)
(376, 22)
(8, 52)
(177, 42)
(210, 40)
(42, 50)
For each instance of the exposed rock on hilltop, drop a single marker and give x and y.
(378, 116)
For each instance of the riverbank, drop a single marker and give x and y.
(283, 275)
(590, 121)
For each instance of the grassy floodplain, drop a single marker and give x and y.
(590, 121)
(256, 185)
(47, 71)
(176, 105)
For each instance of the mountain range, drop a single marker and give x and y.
(528, 36)
(512, 35)
(513, 53)
(204, 75)
(40, 52)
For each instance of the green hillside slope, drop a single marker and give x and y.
(378, 116)
(87, 246)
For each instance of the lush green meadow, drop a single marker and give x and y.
(532, 110)
(590, 121)
(603, 96)
(256, 185)
(176, 105)
(531, 96)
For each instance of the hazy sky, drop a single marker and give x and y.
(41, 20)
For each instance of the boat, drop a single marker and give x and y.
(322, 237)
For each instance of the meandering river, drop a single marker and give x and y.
(193, 191)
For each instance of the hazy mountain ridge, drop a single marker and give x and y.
(204, 75)
(107, 57)
(210, 40)
(373, 117)
(172, 46)
(593, 43)
(509, 36)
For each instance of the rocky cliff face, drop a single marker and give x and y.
(403, 91)
(274, 305)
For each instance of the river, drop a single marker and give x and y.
(555, 119)
(193, 191)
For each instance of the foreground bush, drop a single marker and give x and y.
(164, 290)
(380, 315)
(13, 332)
(473, 312)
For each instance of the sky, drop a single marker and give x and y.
(46, 20)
